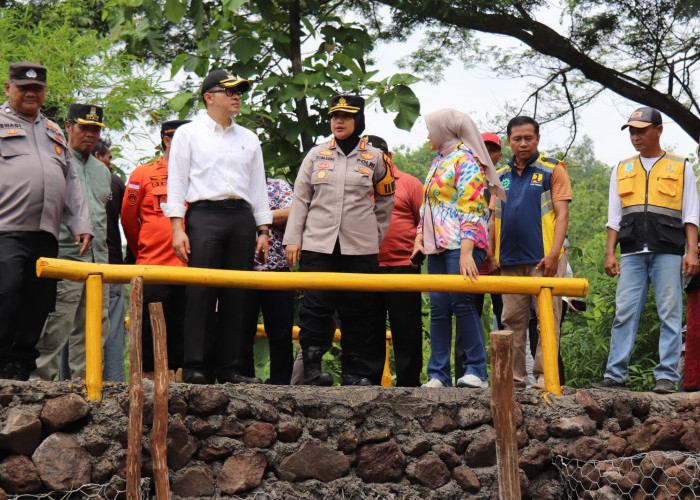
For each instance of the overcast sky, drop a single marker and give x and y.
(482, 95)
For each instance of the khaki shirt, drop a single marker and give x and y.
(96, 181)
(38, 184)
(335, 200)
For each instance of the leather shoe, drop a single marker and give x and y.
(348, 379)
(194, 377)
(237, 378)
(664, 386)
(22, 372)
(7, 371)
(608, 383)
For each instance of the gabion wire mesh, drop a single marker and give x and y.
(115, 489)
(647, 476)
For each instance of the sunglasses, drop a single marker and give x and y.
(230, 92)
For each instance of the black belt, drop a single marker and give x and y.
(231, 204)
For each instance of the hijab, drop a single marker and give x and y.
(449, 127)
(349, 143)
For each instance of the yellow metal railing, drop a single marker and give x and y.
(96, 274)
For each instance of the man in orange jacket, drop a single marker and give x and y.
(149, 237)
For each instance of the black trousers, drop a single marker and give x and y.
(220, 238)
(404, 309)
(363, 346)
(460, 357)
(173, 299)
(25, 299)
(277, 308)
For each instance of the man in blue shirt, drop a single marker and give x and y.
(529, 234)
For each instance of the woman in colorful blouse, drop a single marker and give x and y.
(453, 233)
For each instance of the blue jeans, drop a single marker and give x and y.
(113, 367)
(636, 272)
(443, 305)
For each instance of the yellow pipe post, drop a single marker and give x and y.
(93, 337)
(386, 374)
(548, 339)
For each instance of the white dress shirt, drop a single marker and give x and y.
(209, 162)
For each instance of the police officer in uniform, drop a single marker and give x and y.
(39, 187)
(335, 225)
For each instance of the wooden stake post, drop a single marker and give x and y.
(503, 411)
(160, 403)
(133, 455)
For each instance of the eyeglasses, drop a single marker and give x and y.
(229, 91)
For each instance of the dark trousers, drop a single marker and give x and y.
(406, 325)
(363, 347)
(173, 299)
(25, 299)
(460, 357)
(220, 238)
(278, 316)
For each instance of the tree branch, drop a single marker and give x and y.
(547, 41)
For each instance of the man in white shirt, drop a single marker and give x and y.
(216, 167)
(652, 212)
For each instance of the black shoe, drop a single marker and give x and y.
(312, 367)
(7, 371)
(608, 383)
(664, 386)
(236, 378)
(351, 379)
(21, 372)
(194, 377)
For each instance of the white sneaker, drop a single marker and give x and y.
(470, 380)
(433, 382)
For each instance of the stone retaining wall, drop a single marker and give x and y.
(298, 442)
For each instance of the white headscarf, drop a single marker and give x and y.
(448, 127)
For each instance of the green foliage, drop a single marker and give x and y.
(83, 65)
(296, 54)
(414, 161)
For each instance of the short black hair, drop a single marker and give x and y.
(103, 145)
(522, 120)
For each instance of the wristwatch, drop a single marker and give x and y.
(266, 232)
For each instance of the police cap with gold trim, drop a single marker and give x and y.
(86, 114)
(348, 103)
(28, 73)
(225, 79)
